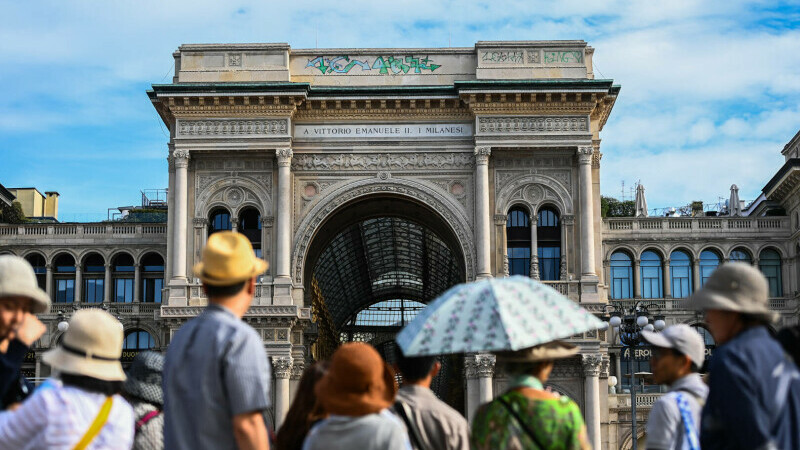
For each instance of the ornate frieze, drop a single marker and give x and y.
(567, 368)
(234, 165)
(255, 310)
(267, 221)
(380, 161)
(282, 366)
(532, 124)
(218, 128)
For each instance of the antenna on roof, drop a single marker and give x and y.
(623, 190)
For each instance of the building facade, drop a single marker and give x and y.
(374, 179)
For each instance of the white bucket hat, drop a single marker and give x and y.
(736, 287)
(92, 346)
(18, 280)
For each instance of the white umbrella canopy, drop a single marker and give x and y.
(492, 315)
(641, 202)
(734, 206)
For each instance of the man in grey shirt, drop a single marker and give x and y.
(674, 421)
(216, 374)
(431, 423)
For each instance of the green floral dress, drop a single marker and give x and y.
(557, 424)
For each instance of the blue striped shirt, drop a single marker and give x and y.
(216, 368)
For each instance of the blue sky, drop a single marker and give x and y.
(710, 89)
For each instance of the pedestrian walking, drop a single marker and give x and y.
(143, 391)
(80, 407)
(216, 374)
(305, 411)
(356, 392)
(754, 397)
(527, 416)
(430, 422)
(674, 422)
(20, 299)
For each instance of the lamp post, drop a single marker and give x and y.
(628, 325)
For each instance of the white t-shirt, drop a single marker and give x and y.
(57, 417)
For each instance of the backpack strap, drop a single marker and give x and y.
(147, 418)
(689, 428)
(96, 426)
(413, 433)
(522, 423)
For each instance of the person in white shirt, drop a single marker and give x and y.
(80, 407)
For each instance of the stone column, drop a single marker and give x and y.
(637, 278)
(667, 280)
(482, 230)
(282, 368)
(181, 158)
(534, 246)
(235, 224)
(266, 240)
(48, 280)
(137, 282)
(695, 274)
(586, 212)
(501, 241)
(170, 214)
(591, 373)
(282, 294)
(566, 221)
(78, 284)
(298, 366)
(479, 371)
(107, 284)
(38, 369)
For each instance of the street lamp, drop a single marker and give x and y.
(628, 325)
(63, 325)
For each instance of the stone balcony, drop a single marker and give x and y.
(82, 233)
(149, 311)
(696, 226)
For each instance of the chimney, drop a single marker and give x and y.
(51, 204)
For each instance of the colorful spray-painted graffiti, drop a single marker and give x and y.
(381, 64)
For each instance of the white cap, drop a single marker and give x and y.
(682, 338)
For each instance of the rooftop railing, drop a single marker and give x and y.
(681, 224)
(681, 304)
(78, 230)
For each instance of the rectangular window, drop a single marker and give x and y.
(651, 282)
(65, 291)
(681, 281)
(549, 263)
(152, 290)
(123, 290)
(620, 282)
(773, 275)
(519, 261)
(93, 290)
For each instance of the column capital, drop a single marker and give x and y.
(591, 364)
(596, 157)
(170, 162)
(480, 366)
(181, 158)
(48, 266)
(267, 221)
(585, 154)
(482, 155)
(284, 156)
(506, 271)
(199, 222)
(568, 219)
(500, 219)
(605, 364)
(107, 265)
(282, 366)
(298, 367)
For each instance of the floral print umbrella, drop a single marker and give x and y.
(494, 314)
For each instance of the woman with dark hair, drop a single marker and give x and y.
(80, 407)
(143, 391)
(305, 410)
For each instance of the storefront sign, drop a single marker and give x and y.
(644, 353)
(386, 131)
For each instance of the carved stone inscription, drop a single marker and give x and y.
(532, 124)
(227, 127)
(382, 161)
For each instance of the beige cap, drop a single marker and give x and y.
(92, 346)
(18, 280)
(737, 287)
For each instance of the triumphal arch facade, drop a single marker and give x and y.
(374, 179)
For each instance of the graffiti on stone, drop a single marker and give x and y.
(563, 57)
(503, 56)
(382, 65)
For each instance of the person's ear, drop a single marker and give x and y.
(251, 286)
(437, 367)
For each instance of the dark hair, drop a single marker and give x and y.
(789, 338)
(414, 368)
(92, 384)
(694, 367)
(224, 291)
(305, 410)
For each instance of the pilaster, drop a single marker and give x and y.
(482, 230)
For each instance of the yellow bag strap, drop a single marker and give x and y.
(96, 426)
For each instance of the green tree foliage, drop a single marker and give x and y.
(611, 207)
(12, 214)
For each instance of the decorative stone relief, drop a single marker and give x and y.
(567, 368)
(234, 59)
(604, 366)
(533, 189)
(532, 124)
(479, 366)
(591, 364)
(482, 155)
(380, 161)
(533, 57)
(228, 164)
(234, 196)
(282, 366)
(215, 128)
(298, 367)
(534, 193)
(585, 154)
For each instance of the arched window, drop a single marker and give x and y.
(250, 227)
(219, 220)
(94, 271)
(709, 261)
(138, 340)
(680, 274)
(152, 277)
(39, 268)
(769, 261)
(123, 274)
(548, 241)
(742, 255)
(652, 275)
(64, 278)
(621, 276)
(518, 242)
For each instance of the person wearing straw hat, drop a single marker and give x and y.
(527, 415)
(80, 406)
(216, 374)
(20, 299)
(355, 393)
(754, 387)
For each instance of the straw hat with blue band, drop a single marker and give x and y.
(228, 258)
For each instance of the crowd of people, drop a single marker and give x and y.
(211, 390)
